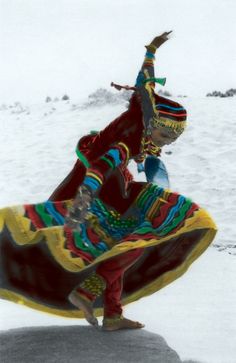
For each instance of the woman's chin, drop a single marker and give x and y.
(159, 144)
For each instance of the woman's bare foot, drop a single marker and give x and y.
(84, 305)
(111, 324)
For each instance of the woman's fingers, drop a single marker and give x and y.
(165, 34)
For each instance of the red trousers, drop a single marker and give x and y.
(112, 272)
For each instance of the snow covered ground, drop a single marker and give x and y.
(196, 314)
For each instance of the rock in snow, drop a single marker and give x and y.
(83, 344)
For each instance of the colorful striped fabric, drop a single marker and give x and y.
(93, 179)
(164, 212)
(171, 110)
(46, 214)
(149, 59)
(41, 260)
(157, 212)
(115, 157)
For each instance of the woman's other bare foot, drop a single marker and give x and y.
(85, 305)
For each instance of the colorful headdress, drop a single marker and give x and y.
(169, 114)
(166, 113)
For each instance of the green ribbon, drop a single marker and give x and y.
(161, 81)
(82, 158)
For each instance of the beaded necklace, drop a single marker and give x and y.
(147, 147)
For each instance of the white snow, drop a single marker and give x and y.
(196, 314)
(57, 46)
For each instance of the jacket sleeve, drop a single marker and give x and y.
(99, 170)
(145, 85)
(112, 147)
(147, 71)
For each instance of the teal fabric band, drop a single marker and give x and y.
(161, 81)
(82, 158)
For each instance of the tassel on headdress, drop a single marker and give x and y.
(119, 87)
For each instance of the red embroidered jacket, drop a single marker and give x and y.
(104, 156)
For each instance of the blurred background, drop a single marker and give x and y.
(76, 46)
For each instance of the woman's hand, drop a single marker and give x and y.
(79, 210)
(159, 40)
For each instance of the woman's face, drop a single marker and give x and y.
(162, 136)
